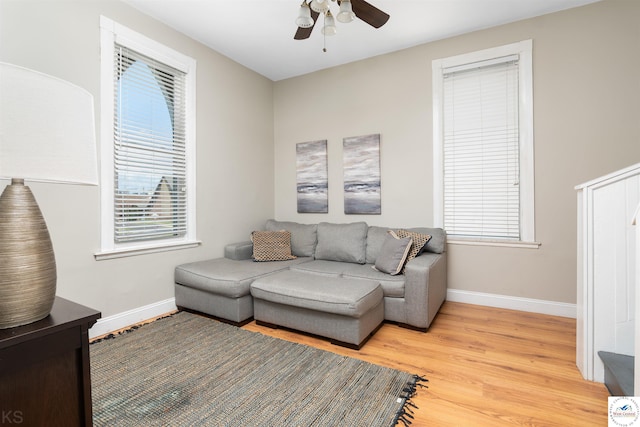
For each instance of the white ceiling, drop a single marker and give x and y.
(259, 33)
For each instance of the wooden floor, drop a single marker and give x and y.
(486, 367)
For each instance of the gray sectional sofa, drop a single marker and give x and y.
(330, 288)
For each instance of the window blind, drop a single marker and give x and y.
(481, 149)
(149, 149)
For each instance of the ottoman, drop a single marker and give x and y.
(346, 310)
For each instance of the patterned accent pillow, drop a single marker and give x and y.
(419, 241)
(272, 245)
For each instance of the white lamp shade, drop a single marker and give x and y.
(320, 6)
(346, 14)
(47, 130)
(329, 28)
(304, 17)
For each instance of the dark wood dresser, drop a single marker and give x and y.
(45, 377)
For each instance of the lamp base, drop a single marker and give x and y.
(28, 267)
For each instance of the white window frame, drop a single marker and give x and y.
(527, 209)
(110, 34)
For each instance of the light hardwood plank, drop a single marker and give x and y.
(486, 367)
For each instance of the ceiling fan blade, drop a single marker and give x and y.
(369, 13)
(304, 33)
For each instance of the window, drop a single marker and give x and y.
(148, 122)
(483, 145)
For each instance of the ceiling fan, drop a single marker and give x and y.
(349, 10)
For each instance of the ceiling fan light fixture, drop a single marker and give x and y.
(329, 28)
(320, 6)
(346, 14)
(304, 19)
(364, 11)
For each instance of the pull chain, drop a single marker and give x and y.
(324, 36)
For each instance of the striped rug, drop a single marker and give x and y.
(188, 370)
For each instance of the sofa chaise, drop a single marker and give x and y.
(339, 281)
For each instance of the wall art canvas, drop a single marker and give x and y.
(312, 177)
(361, 157)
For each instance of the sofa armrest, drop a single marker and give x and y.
(425, 288)
(239, 251)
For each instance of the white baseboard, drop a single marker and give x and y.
(121, 320)
(513, 303)
(127, 318)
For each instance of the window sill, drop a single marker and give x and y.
(497, 243)
(143, 250)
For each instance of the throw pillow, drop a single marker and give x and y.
(437, 243)
(271, 245)
(419, 241)
(393, 254)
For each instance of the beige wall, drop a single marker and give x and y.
(586, 124)
(234, 160)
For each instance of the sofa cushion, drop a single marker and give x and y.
(347, 297)
(393, 254)
(303, 236)
(272, 245)
(392, 286)
(375, 238)
(342, 242)
(227, 277)
(322, 267)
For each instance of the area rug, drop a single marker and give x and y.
(189, 370)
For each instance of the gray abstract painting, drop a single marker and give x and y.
(312, 177)
(362, 174)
